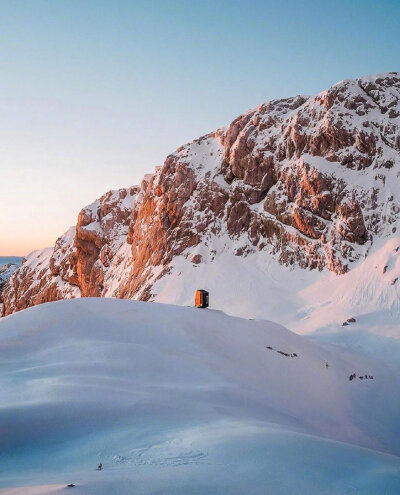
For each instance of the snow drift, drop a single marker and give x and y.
(181, 400)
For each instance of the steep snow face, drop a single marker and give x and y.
(308, 183)
(369, 293)
(181, 400)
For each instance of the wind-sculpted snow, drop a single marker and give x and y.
(305, 182)
(179, 400)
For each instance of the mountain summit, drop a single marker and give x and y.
(293, 190)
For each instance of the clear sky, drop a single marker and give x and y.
(93, 94)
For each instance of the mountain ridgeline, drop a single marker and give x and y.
(311, 183)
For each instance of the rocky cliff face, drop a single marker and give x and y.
(82, 261)
(312, 182)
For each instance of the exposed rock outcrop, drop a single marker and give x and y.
(311, 181)
(80, 262)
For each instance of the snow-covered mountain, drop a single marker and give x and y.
(271, 214)
(178, 400)
(6, 271)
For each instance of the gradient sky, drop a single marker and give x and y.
(93, 94)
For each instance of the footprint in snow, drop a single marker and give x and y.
(171, 453)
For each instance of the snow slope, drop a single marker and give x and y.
(177, 400)
(304, 301)
(370, 293)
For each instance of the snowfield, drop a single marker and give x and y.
(178, 400)
(305, 301)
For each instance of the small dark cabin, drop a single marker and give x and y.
(201, 299)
